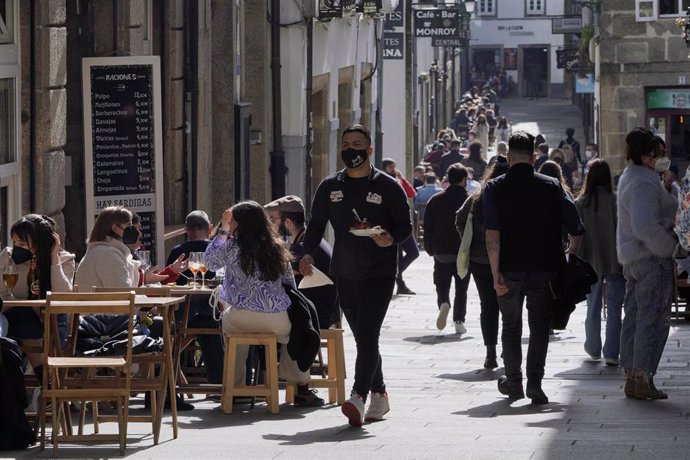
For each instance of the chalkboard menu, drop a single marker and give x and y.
(122, 131)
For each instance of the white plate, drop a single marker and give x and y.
(366, 231)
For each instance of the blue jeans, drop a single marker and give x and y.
(648, 296)
(615, 292)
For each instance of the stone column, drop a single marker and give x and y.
(173, 110)
(50, 110)
(222, 153)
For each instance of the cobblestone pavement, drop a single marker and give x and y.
(443, 403)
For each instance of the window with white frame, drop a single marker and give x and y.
(485, 8)
(7, 21)
(10, 180)
(651, 10)
(535, 7)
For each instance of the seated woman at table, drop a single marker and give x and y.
(257, 263)
(35, 242)
(108, 261)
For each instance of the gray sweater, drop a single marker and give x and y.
(646, 212)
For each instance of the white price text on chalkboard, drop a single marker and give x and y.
(123, 139)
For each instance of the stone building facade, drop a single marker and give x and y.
(641, 74)
(217, 99)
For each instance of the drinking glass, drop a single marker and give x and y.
(10, 276)
(201, 257)
(193, 266)
(144, 257)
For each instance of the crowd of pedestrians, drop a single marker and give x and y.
(525, 213)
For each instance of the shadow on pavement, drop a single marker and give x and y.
(333, 434)
(504, 406)
(438, 338)
(479, 375)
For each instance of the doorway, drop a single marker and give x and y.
(535, 71)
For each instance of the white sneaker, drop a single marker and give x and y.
(378, 407)
(460, 328)
(442, 316)
(353, 409)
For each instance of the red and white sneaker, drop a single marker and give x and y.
(378, 407)
(353, 409)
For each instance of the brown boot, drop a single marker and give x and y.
(629, 388)
(642, 389)
(654, 393)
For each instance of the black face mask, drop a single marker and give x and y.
(130, 235)
(21, 255)
(353, 157)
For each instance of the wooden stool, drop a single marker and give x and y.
(332, 341)
(269, 389)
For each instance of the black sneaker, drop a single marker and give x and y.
(514, 391)
(308, 400)
(404, 290)
(490, 362)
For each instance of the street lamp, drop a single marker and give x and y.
(469, 6)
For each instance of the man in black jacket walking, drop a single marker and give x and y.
(441, 240)
(524, 214)
(364, 263)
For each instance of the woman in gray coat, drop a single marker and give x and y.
(597, 208)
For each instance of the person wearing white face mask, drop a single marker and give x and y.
(645, 246)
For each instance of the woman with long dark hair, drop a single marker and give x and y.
(35, 243)
(597, 208)
(257, 263)
(645, 246)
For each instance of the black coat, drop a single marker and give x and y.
(305, 339)
(573, 284)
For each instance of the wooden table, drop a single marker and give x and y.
(166, 307)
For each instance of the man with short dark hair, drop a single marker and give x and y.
(524, 214)
(441, 240)
(369, 214)
(288, 217)
(197, 229)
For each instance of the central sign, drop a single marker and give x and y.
(437, 23)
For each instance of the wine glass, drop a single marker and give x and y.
(193, 266)
(144, 257)
(10, 276)
(201, 257)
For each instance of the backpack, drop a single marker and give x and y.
(15, 431)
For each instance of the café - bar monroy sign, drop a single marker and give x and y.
(437, 23)
(123, 142)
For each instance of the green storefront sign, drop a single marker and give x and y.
(668, 99)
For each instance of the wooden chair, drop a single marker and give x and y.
(61, 383)
(147, 380)
(185, 338)
(334, 380)
(269, 389)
